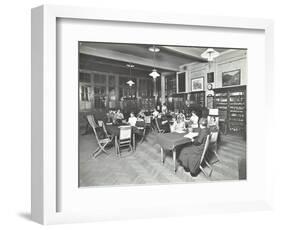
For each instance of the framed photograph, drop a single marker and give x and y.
(83, 116)
(231, 78)
(197, 84)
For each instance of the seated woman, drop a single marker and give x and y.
(118, 117)
(179, 124)
(213, 123)
(164, 108)
(132, 119)
(190, 155)
(163, 123)
(155, 113)
(193, 120)
(141, 115)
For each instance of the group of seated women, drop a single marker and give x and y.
(190, 154)
(181, 123)
(117, 117)
(175, 122)
(167, 121)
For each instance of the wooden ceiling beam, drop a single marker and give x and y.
(127, 58)
(186, 52)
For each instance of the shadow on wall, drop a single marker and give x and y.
(25, 215)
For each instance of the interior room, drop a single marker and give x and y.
(160, 114)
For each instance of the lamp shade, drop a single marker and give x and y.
(154, 73)
(130, 83)
(210, 54)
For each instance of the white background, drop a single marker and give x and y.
(15, 113)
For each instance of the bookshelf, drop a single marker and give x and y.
(179, 103)
(148, 104)
(231, 103)
(197, 98)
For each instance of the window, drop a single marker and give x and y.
(99, 92)
(99, 78)
(111, 80)
(85, 77)
(181, 82)
(85, 93)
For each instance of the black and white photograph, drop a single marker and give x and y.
(151, 114)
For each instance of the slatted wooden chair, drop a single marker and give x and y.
(147, 122)
(213, 145)
(140, 125)
(102, 124)
(150, 122)
(203, 160)
(125, 138)
(102, 142)
(158, 127)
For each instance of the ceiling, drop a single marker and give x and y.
(117, 55)
(101, 64)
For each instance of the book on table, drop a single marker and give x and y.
(179, 131)
(191, 135)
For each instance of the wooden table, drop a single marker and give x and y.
(170, 141)
(114, 130)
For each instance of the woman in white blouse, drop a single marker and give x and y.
(132, 119)
(179, 124)
(194, 119)
(155, 113)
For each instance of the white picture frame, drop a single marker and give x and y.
(45, 175)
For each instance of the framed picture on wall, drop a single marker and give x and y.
(197, 84)
(231, 78)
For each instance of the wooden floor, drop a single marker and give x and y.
(144, 167)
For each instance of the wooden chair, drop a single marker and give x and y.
(140, 125)
(125, 138)
(213, 145)
(101, 124)
(203, 160)
(223, 126)
(102, 142)
(158, 127)
(88, 128)
(147, 121)
(92, 121)
(152, 125)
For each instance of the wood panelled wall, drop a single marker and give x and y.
(226, 62)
